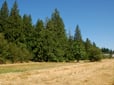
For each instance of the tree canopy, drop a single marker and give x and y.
(21, 41)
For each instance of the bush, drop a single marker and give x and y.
(2, 61)
(95, 58)
(95, 55)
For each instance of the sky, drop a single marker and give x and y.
(94, 17)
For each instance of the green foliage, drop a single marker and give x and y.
(13, 31)
(20, 41)
(79, 49)
(18, 54)
(59, 34)
(2, 60)
(10, 51)
(14, 11)
(28, 32)
(88, 47)
(39, 45)
(69, 50)
(78, 36)
(4, 13)
(92, 51)
(95, 54)
(4, 10)
(3, 49)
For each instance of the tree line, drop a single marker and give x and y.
(107, 51)
(21, 41)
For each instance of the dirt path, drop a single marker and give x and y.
(97, 73)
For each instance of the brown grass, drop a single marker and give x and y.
(96, 73)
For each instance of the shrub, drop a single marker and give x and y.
(2, 61)
(95, 55)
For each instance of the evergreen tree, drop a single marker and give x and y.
(28, 32)
(11, 52)
(13, 31)
(4, 13)
(77, 36)
(4, 10)
(78, 47)
(39, 39)
(88, 47)
(3, 49)
(15, 11)
(18, 54)
(51, 42)
(39, 26)
(69, 51)
(95, 53)
(105, 50)
(59, 35)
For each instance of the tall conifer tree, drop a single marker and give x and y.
(60, 35)
(13, 32)
(39, 41)
(4, 13)
(4, 10)
(79, 49)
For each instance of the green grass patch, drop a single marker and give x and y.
(11, 68)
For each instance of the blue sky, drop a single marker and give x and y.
(95, 17)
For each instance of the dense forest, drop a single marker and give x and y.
(21, 41)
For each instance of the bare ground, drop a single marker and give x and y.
(96, 73)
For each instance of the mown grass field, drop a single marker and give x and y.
(89, 73)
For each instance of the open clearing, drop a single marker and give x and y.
(89, 73)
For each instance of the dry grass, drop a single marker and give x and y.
(97, 73)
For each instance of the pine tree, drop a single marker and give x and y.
(3, 49)
(4, 10)
(39, 39)
(69, 51)
(18, 54)
(4, 13)
(88, 46)
(13, 31)
(15, 10)
(95, 53)
(39, 26)
(27, 29)
(60, 35)
(12, 53)
(79, 49)
(77, 36)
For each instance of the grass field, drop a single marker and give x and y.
(89, 73)
(22, 67)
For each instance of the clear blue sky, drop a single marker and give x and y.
(95, 17)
